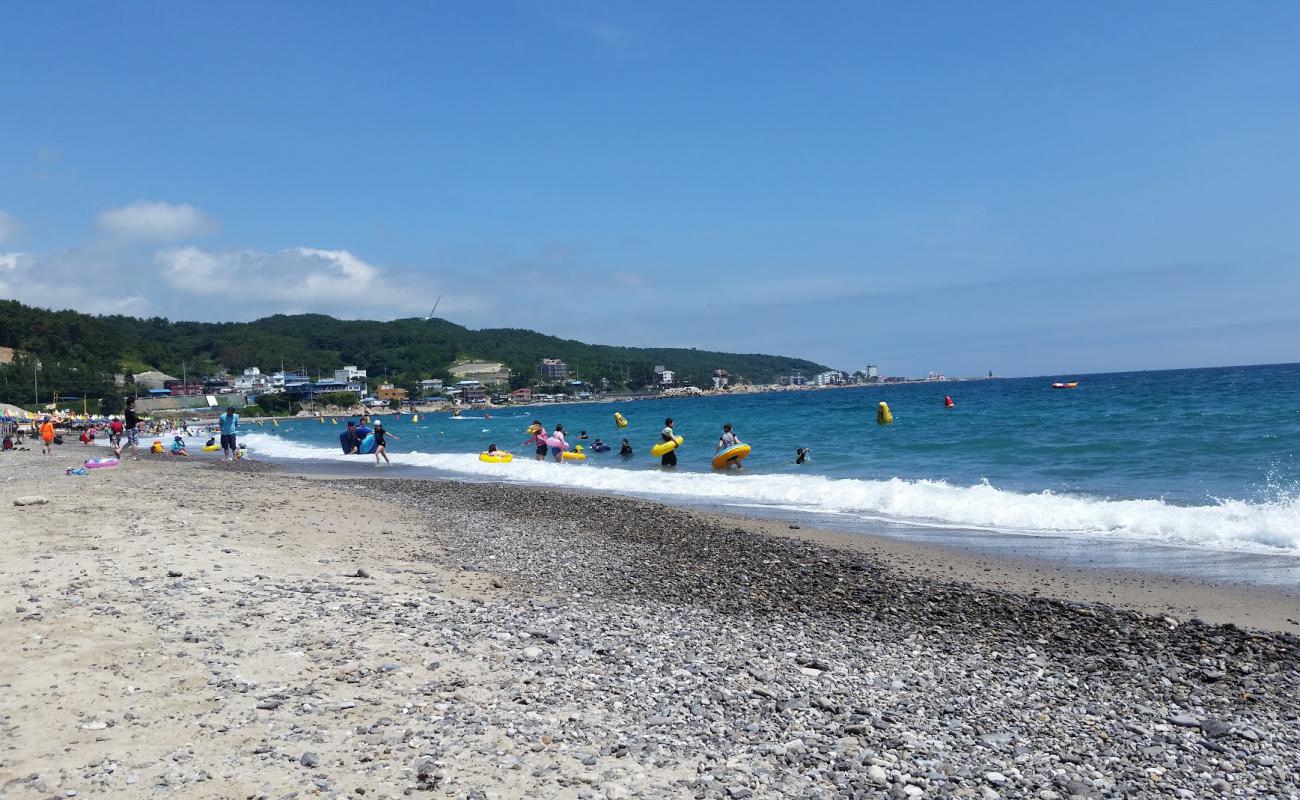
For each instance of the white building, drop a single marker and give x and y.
(829, 378)
(666, 377)
(872, 372)
(252, 381)
(721, 378)
(354, 378)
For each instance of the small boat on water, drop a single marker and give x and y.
(1070, 385)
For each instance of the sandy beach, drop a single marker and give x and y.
(199, 629)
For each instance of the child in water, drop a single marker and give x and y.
(668, 459)
(728, 439)
(558, 452)
(801, 455)
(537, 437)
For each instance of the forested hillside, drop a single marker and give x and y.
(78, 353)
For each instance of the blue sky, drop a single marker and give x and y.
(1019, 187)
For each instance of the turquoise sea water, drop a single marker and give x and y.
(1198, 459)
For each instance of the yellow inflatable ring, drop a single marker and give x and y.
(575, 455)
(499, 457)
(736, 452)
(211, 448)
(666, 447)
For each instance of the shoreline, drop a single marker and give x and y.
(233, 629)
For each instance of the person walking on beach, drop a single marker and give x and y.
(229, 425)
(729, 439)
(380, 448)
(47, 436)
(537, 438)
(115, 433)
(668, 459)
(129, 426)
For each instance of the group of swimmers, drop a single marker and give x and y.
(556, 444)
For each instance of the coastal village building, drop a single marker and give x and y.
(387, 392)
(430, 387)
(553, 369)
(524, 395)
(721, 378)
(153, 379)
(252, 381)
(486, 373)
(354, 379)
(282, 380)
(666, 377)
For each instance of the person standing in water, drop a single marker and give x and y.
(537, 438)
(729, 439)
(626, 449)
(558, 452)
(668, 459)
(380, 448)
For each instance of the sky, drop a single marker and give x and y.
(1026, 188)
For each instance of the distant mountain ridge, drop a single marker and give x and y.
(83, 351)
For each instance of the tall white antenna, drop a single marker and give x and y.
(435, 308)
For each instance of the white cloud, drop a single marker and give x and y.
(8, 226)
(156, 222)
(297, 279)
(44, 280)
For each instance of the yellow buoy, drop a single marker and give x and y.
(620, 420)
(883, 416)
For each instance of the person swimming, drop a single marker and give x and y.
(801, 455)
(599, 447)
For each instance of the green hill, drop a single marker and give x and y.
(79, 353)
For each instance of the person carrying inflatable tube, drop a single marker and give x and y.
(730, 451)
(620, 420)
(672, 442)
(536, 437)
(883, 414)
(557, 444)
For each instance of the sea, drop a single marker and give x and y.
(1189, 472)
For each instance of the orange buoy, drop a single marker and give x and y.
(947, 402)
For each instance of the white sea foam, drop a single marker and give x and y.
(1228, 525)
